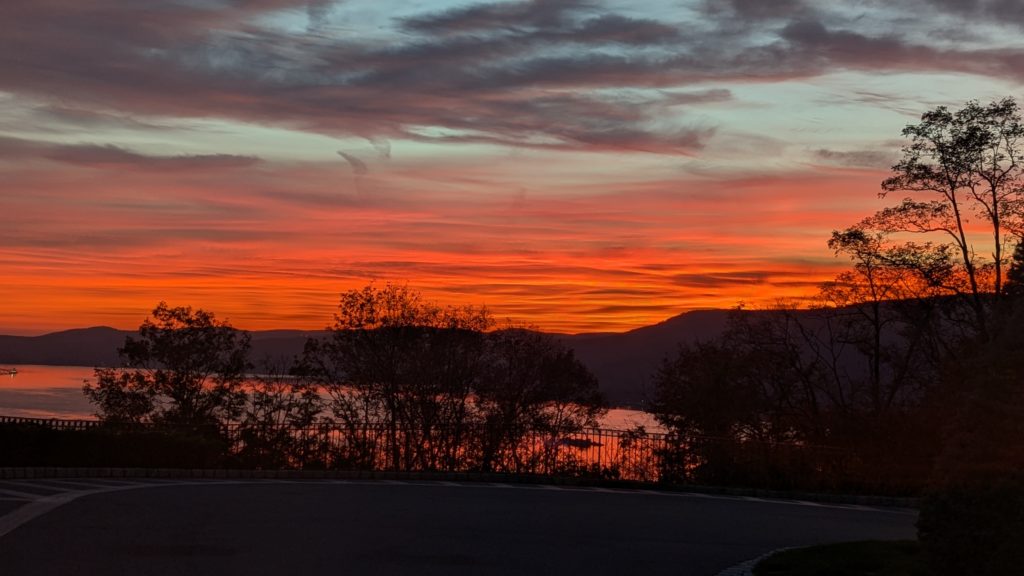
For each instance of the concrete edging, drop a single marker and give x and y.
(17, 473)
(747, 568)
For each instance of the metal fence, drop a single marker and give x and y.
(611, 454)
(52, 423)
(634, 455)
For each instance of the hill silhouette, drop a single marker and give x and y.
(622, 362)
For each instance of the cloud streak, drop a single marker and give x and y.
(571, 163)
(109, 156)
(605, 260)
(179, 59)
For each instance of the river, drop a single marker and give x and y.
(56, 392)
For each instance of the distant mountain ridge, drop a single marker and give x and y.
(79, 347)
(622, 362)
(625, 363)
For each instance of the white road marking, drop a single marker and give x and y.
(66, 484)
(860, 507)
(39, 504)
(23, 495)
(712, 496)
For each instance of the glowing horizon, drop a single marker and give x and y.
(580, 166)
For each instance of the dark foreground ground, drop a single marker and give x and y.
(201, 528)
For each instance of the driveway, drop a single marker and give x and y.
(336, 527)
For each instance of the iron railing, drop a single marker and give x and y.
(603, 454)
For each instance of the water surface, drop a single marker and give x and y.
(45, 392)
(56, 392)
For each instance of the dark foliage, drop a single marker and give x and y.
(972, 521)
(408, 366)
(530, 385)
(870, 558)
(975, 526)
(185, 367)
(398, 383)
(1014, 286)
(112, 446)
(868, 373)
(277, 405)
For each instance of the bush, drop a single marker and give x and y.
(869, 558)
(975, 526)
(34, 445)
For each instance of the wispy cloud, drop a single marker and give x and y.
(582, 164)
(181, 59)
(114, 157)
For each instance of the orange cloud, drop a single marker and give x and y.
(270, 249)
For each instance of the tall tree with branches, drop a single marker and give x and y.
(960, 165)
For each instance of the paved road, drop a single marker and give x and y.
(198, 528)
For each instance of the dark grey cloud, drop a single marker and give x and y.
(993, 10)
(498, 15)
(359, 168)
(91, 119)
(572, 121)
(616, 29)
(107, 156)
(830, 48)
(757, 9)
(723, 278)
(857, 158)
(487, 72)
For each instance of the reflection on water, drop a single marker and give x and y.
(45, 392)
(625, 419)
(56, 392)
(30, 376)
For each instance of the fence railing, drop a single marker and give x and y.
(634, 455)
(609, 454)
(628, 455)
(52, 423)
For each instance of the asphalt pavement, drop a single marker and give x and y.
(338, 527)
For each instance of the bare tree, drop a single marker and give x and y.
(959, 165)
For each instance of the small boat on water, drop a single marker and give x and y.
(9, 371)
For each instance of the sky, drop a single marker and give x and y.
(579, 165)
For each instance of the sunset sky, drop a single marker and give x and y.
(582, 165)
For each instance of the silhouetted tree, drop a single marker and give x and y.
(121, 396)
(957, 165)
(972, 518)
(727, 402)
(393, 360)
(1014, 286)
(185, 367)
(885, 309)
(281, 423)
(531, 385)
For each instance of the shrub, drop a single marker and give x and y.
(975, 526)
(33, 445)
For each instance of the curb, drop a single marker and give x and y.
(14, 473)
(747, 568)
